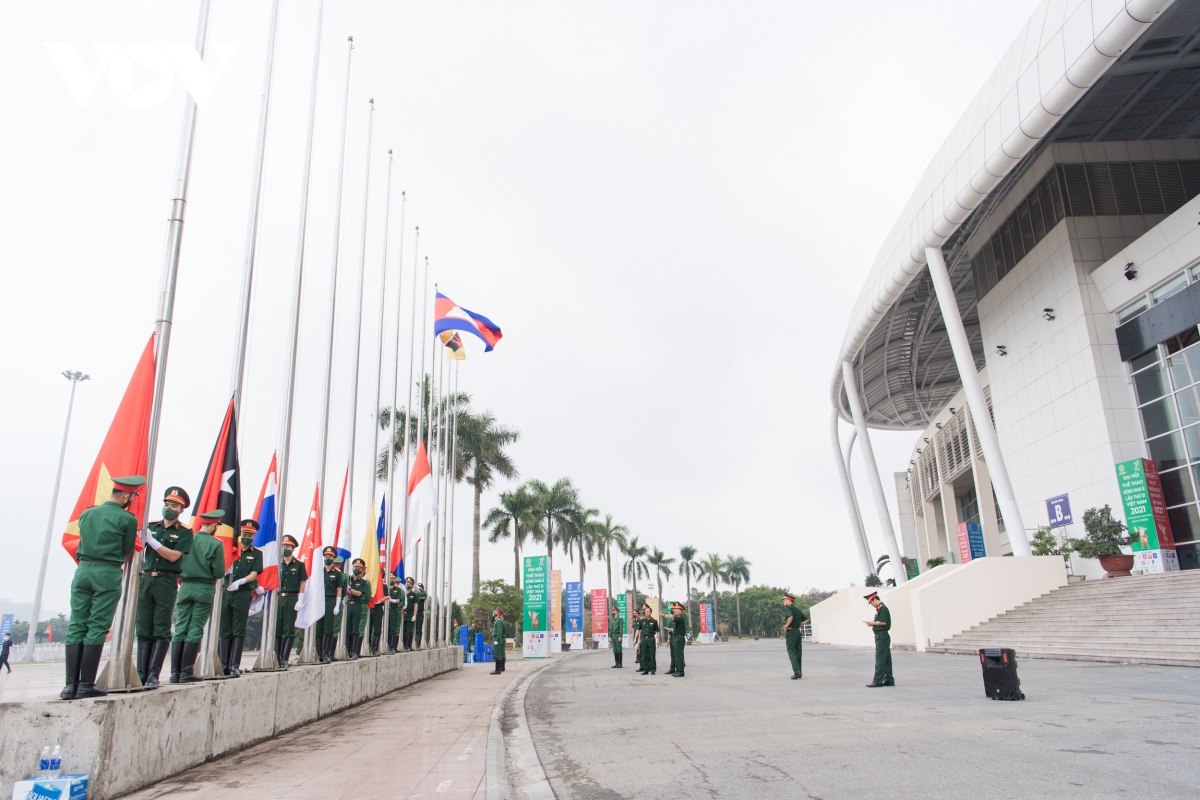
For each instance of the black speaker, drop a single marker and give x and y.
(1000, 681)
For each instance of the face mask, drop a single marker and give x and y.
(247, 541)
(287, 551)
(329, 562)
(358, 571)
(128, 502)
(170, 513)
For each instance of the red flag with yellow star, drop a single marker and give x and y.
(124, 452)
(221, 487)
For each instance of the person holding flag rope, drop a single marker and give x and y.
(335, 585)
(201, 568)
(169, 541)
(358, 591)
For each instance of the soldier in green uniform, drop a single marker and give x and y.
(650, 630)
(668, 623)
(167, 541)
(240, 583)
(614, 637)
(335, 586)
(793, 631)
(499, 641)
(638, 619)
(377, 618)
(883, 643)
(395, 612)
(419, 596)
(359, 592)
(202, 566)
(107, 534)
(410, 612)
(678, 638)
(293, 576)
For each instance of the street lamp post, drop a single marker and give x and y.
(75, 378)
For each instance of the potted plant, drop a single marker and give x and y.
(1104, 537)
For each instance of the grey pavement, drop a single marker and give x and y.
(736, 726)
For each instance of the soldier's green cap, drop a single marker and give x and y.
(289, 539)
(330, 550)
(215, 514)
(130, 483)
(177, 494)
(359, 561)
(249, 526)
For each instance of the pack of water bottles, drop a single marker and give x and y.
(50, 783)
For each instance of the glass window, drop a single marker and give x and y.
(1185, 523)
(1133, 309)
(1169, 288)
(1194, 273)
(1158, 418)
(1177, 487)
(1167, 451)
(1146, 359)
(1192, 437)
(1182, 341)
(1149, 385)
(1189, 405)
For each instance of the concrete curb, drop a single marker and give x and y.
(498, 786)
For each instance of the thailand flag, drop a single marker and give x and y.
(267, 539)
(450, 316)
(422, 495)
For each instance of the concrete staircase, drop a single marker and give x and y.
(1142, 619)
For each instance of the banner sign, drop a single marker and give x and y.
(599, 612)
(6, 623)
(1058, 510)
(574, 632)
(970, 541)
(622, 604)
(536, 612)
(706, 623)
(703, 618)
(556, 600)
(1152, 541)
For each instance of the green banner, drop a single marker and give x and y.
(1139, 510)
(537, 599)
(621, 602)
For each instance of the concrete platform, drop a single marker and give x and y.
(128, 741)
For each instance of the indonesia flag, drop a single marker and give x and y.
(450, 316)
(311, 606)
(422, 496)
(267, 539)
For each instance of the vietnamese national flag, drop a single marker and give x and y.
(220, 488)
(124, 451)
(310, 555)
(267, 539)
(422, 496)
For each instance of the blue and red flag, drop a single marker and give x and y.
(396, 563)
(267, 539)
(450, 316)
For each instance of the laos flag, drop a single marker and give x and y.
(267, 539)
(450, 316)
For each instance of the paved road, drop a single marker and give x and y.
(737, 727)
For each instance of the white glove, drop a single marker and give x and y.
(301, 602)
(259, 591)
(256, 605)
(150, 540)
(337, 605)
(233, 587)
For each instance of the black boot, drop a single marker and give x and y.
(74, 652)
(188, 673)
(375, 645)
(143, 659)
(157, 655)
(352, 645)
(287, 652)
(235, 656)
(89, 665)
(327, 652)
(223, 647)
(176, 661)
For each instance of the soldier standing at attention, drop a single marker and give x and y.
(419, 621)
(883, 643)
(240, 583)
(614, 637)
(678, 638)
(359, 591)
(168, 542)
(377, 616)
(202, 567)
(107, 533)
(329, 625)
(793, 630)
(499, 640)
(410, 612)
(395, 612)
(293, 576)
(650, 642)
(638, 623)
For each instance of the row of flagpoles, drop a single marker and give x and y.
(428, 440)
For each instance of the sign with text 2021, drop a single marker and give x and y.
(536, 612)
(1145, 506)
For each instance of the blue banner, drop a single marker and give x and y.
(574, 591)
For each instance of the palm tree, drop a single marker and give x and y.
(557, 507)
(608, 535)
(662, 566)
(737, 571)
(516, 517)
(481, 445)
(688, 566)
(636, 565)
(580, 537)
(713, 569)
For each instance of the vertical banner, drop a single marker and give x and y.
(573, 634)
(536, 613)
(706, 620)
(970, 541)
(600, 618)
(655, 612)
(623, 606)
(556, 611)
(1153, 543)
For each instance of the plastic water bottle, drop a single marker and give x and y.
(44, 763)
(56, 761)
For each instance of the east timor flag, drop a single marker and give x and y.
(220, 488)
(124, 452)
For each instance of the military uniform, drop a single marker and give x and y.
(292, 575)
(159, 586)
(201, 568)
(883, 646)
(614, 638)
(377, 620)
(650, 645)
(499, 641)
(329, 625)
(793, 623)
(107, 534)
(410, 613)
(679, 629)
(395, 615)
(356, 611)
(419, 596)
(239, 584)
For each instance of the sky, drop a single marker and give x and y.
(668, 208)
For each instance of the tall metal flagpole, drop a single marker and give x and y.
(362, 266)
(408, 417)
(119, 672)
(387, 217)
(74, 377)
(285, 433)
(435, 556)
(453, 486)
(389, 519)
(422, 419)
(447, 453)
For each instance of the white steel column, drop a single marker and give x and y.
(881, 508)
(977, 403)
(862, 529)
(848, 494)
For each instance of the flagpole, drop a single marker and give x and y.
(435, 556)
(387, 217)
(453, 486)
(447, 455)
(308, 651)
(389, 518)
(119, 672)
(408, 417)
(422, 419)
(362, 266)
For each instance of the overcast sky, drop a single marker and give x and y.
(669, 208)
